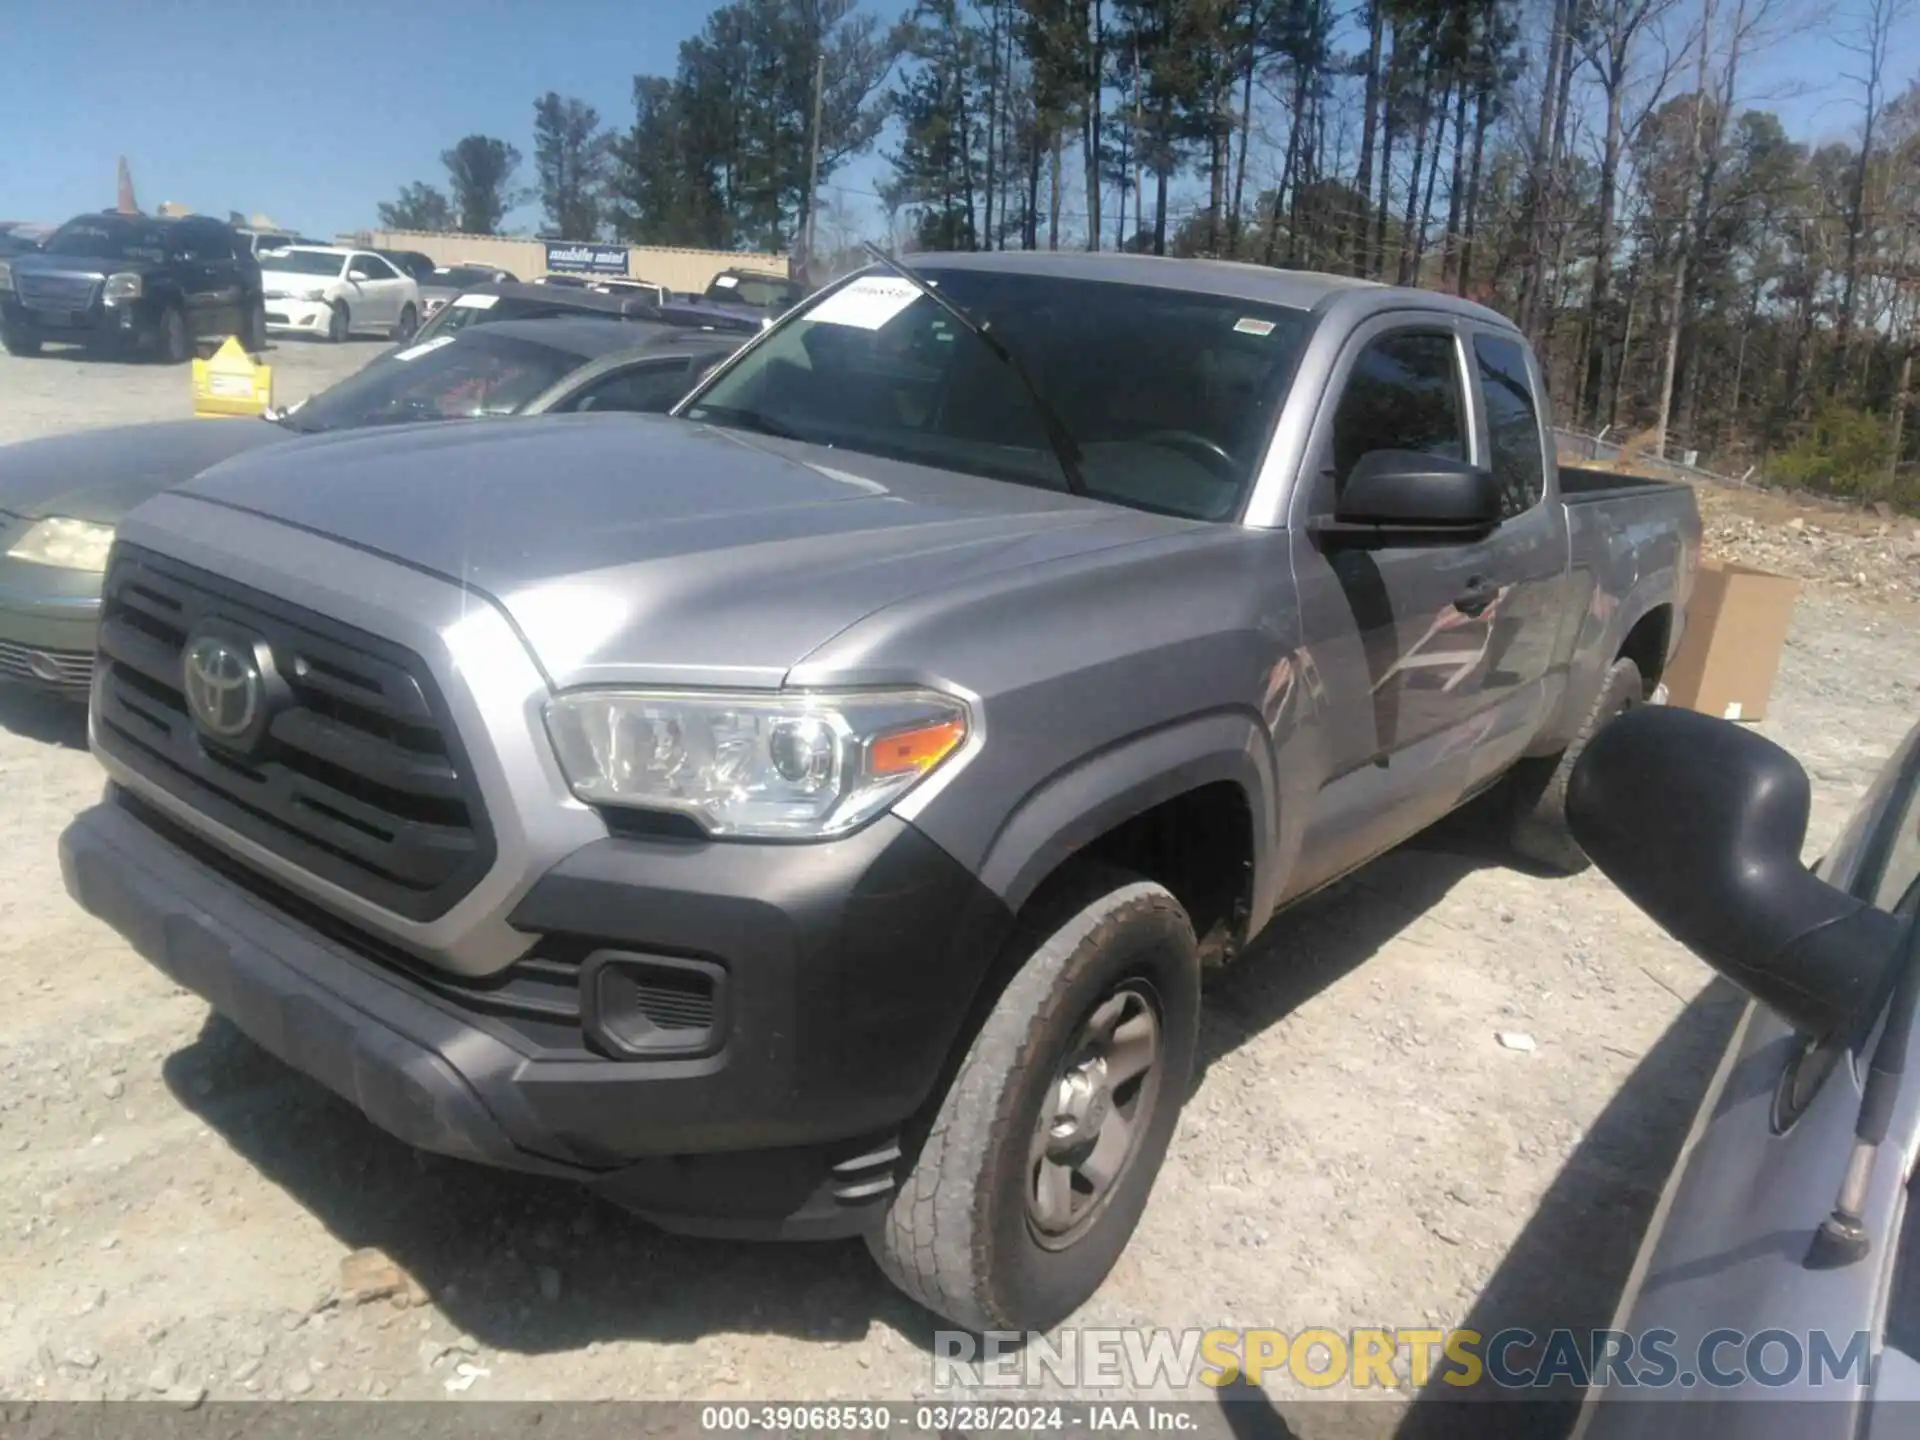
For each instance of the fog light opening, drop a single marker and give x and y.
(645, 1006)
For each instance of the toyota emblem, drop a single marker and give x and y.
(223, 687)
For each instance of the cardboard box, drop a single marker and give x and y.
(1736, 628)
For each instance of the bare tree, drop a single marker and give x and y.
(1869, 41)
(1614, 35)
(1551, 122)
(1677, 295)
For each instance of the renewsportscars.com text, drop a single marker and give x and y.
(1396, 1359)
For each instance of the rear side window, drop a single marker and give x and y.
(1402, 394)
(1513, 425)
(649, 389)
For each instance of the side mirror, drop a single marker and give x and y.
(1701, 823)
(1401, 497)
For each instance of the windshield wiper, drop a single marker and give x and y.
(1065, 449)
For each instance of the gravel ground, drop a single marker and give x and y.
(176, 1207)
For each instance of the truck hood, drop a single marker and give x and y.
(653, 550)
(100, 475)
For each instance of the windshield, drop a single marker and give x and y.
(109, 238)
(447, 378)
(459, 277)
(1169, 394)
(762, 292)
(302, 262)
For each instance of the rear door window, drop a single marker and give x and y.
(1513, 423)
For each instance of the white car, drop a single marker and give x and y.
(336, 292)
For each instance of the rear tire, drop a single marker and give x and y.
(409, 322)
(339, 323)
(1540, 831)
(998, 1226)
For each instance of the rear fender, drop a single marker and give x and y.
(1603, 632)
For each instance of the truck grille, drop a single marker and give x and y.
(358, 776)
(54, 292)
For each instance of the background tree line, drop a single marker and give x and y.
(1694, 276)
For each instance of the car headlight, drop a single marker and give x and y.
(317, 293)
(124, 286)
(793, 766)
(6, 276)
(65, 544)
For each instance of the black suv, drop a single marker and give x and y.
(134, 283)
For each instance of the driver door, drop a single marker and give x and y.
(1401, 635)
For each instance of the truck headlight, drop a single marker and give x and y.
(6, 276)
(793, 766)
(65, 544)
(122, 287)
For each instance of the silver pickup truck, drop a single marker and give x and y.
(810, 813)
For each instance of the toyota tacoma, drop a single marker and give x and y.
(809, 813)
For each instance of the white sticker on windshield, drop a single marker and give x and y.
(726, 282)
(475, 302)
(1251, 326)
(866, 304)
(424, 346)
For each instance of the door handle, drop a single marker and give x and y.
(1479, 594)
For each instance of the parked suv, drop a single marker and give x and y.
(134, 283)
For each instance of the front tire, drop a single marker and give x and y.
(409, 322)
(173, 343)
(339, 323)
(1039, 1161)
(254, 339)
(24, 343)
(1540, 830)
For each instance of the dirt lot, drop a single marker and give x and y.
(175, 1207)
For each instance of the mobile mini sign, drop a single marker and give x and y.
(571, 257)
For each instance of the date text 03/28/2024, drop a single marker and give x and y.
(945, 1419)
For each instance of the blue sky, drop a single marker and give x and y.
(314, 113)
(313, 118)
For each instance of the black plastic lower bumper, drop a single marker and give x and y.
(849, 970)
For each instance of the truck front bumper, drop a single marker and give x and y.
(133, 325)
(845, 973)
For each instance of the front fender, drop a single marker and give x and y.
(1074, 807)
